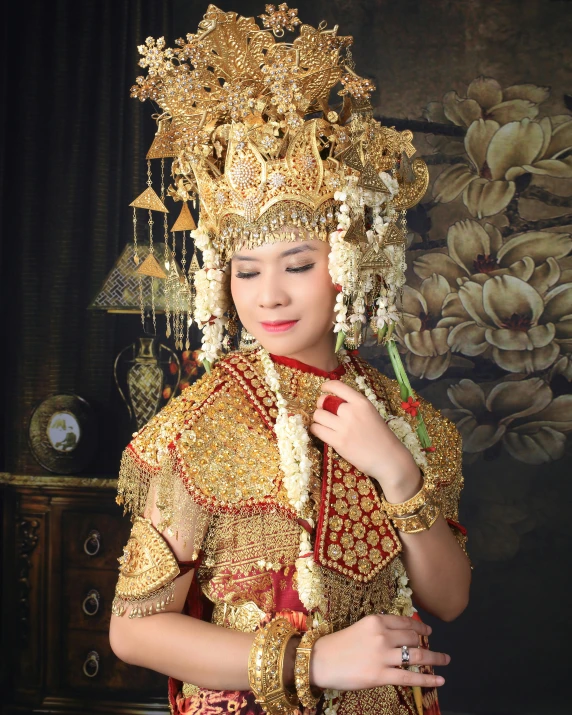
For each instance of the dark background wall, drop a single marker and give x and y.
(72, 158)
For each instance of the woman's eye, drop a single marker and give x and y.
(301, 269)
(242, 274)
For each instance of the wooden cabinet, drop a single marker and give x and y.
(61, 537)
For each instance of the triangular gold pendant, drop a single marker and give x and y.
(351, 158)
(393, 236)
(151, 267)
(370, 180)
(374, 260)
(185, 222)
(356, 232)
(149, 200)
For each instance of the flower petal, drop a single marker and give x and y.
(506, 296)
(468, 395)
(509, 400)
(545, 276)
(495, 237)
(560, 141)
(513, 111)
(564, 333)
(515, 144)
(429, 368)
(453, 312)
(435, 289)
(451, 182)
(486, 91)
(544, 446)
(542, 335)
(526, 361)
(468, 339)
(471, 296)
(487, 198)
(558, 303)
(477, 438)
(506, 339)
(422, 342)
(434, 112)
(413, 302)
(557, 414)
(552, 167)
(460, 111)
(477, 140)
(539, 245)
(466, 240)
(532, 92)
(429, 263)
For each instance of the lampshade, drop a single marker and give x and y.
(120, 290)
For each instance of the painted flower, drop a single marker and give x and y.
(479, 253)
(507, 319)
(420, 329)
(498, 154)
(487, 100)
(523, 415)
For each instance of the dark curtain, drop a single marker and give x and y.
(73, 152)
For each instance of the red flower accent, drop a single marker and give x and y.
(428, 449)
(411, 406)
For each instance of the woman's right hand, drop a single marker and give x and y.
(368, 655)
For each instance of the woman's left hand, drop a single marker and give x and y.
(360, 435)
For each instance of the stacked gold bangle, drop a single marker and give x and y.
(308, 695)
(416, 514)
(266, 668)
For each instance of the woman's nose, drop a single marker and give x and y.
(271, 292)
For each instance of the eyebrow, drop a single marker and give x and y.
(288, 252)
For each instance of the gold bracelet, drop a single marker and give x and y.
(411, 506)
(308, 696)
(420, 521)
(266, 668)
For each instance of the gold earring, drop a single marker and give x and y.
(247, 341)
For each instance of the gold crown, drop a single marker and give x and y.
(249, 125)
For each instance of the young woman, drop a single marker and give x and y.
(290, 504)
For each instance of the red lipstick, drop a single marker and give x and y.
(278, 326)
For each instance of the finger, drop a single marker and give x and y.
(326, 434)
(322, 399)
(327, 419)
(408, 677)
(419, 656)
(406, 623)
(339, 388)
(398, 638)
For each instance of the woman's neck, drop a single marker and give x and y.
(322, 356)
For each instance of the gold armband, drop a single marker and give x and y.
(266, 668)
(416, 514)
(147, 571)
(309, 696)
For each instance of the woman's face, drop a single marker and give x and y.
(285, 297)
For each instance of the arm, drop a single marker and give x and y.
(364, 655)
(437, 566)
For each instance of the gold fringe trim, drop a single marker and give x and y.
(155, 603)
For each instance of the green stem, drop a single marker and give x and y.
(406, 390)
(207, 365)
(340, 340)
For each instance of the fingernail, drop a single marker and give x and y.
(440, 680)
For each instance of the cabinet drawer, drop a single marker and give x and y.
(87, 595)
(90, 665)
(93, 540)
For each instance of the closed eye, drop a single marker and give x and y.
(242, 274)
(301, 269)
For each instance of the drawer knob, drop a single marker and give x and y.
(91, 602)
(92, 544)
(91, 664)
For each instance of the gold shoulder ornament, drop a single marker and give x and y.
(147, 573)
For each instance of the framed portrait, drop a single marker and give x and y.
(63, 433)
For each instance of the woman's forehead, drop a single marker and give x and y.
(281, 249)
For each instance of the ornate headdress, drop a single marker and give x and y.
(251, 129)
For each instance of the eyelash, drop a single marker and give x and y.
(299, 269)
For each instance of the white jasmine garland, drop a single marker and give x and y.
(211, 298)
